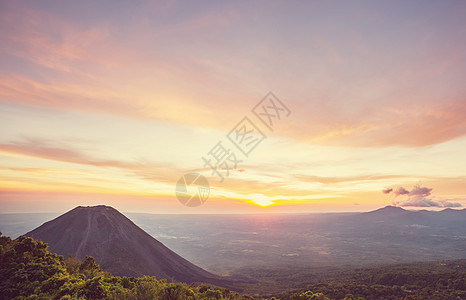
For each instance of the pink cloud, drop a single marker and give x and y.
(401, 191)
(418, 197)
(93, 67)
(387, 191)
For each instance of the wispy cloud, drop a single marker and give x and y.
(43, 149)
(336, 180)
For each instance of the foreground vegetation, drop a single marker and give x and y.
(29, 271)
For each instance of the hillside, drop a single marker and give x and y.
(29, 270)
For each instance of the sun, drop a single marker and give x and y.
(261, 200)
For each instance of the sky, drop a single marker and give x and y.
(112, 102)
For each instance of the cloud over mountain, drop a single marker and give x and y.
(418, 197)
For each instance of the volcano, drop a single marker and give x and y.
(118, 245)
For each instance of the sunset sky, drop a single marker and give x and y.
(111, 102)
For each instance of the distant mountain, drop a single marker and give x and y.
(398, 215)
(388, 210)
(394, 214)
(118, 245)
(385, 212)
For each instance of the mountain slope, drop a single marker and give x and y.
(118, 245)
